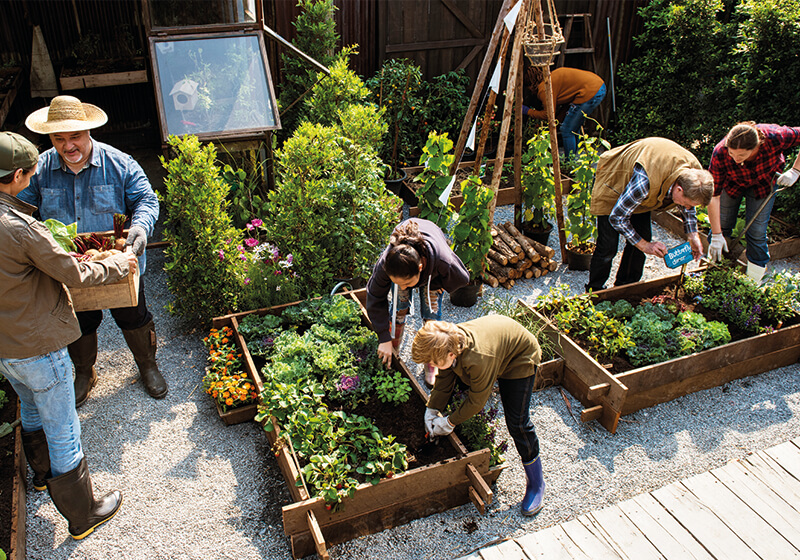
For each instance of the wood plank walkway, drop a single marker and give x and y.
(748, 509)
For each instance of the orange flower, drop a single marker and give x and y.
(229, 402)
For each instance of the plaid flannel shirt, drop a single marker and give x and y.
(759, 173)
(636, 192)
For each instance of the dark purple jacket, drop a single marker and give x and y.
(444, 268)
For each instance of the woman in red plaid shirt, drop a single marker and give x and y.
(744, 165)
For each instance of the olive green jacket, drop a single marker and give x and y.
(36, 315)
(497, 346)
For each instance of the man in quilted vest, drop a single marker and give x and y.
(633, 180)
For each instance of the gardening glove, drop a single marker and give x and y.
(137, 239)
(525, 110)
(789, 178)
(430, 414)
(441, 426)
(715, 248)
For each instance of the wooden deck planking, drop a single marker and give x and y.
(547, 545)
(751, 528)
(669, 536)
(761, 499)
(507, 550)
(590, 543)
(747, 509)
(705, 526)
(787, 455)
(621, 532)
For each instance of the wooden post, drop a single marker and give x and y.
(551, 120)
(479, 81)
(516, 59)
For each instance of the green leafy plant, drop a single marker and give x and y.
(202, 264)
(330, 209)
(315, 35)
(392, 386)
(538, 182)
(445, 100)
(334, 360)
(480, 431)
(247, 192)
(434, 179)
(472, 235)
(580, 226)
(396, 88)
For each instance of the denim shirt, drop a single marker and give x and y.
(112, 182)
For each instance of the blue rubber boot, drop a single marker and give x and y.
(534, 491)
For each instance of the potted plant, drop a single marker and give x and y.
(434, 179)
(538, 188)
(580, 226)
(396, 89)
(472, 238)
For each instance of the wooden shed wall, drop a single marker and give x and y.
(439, 35)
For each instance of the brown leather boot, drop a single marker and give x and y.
(73, 496)
(142, 342)
(38, 455)
(398, 335)
(83, 353)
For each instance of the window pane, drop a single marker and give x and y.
(213, 85)
(176, 13)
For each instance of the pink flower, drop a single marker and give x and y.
(249, 226)
(290, 258)
(251, 242)
(246, 281)
(256, 222)
(221, 255)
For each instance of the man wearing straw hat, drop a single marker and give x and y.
(85, 181)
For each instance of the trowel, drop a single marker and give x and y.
(6, 428)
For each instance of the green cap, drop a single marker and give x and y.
(16, 152)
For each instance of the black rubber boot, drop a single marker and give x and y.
(83, 353)
(142, 342)
(38, 455)
(73, 496)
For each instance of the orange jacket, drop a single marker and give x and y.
(570, 85)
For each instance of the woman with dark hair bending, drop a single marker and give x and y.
(418, 256)
(744, 164)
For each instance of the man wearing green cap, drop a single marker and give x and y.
(85, 181)
(36, 325)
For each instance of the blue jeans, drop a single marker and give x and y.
(756, 236)
(430, 311)
(574, 120)
(516, 396)
(47, 401)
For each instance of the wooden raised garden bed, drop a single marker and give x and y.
(394, 501)
(606, 396)
(13, 471)
(789, 247)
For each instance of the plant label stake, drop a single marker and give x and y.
(680, 255)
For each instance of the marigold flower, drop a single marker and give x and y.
(229, 402)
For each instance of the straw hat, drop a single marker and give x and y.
(66, 114)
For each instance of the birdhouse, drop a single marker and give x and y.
(184, 95)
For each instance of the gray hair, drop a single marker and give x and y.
(697, 185)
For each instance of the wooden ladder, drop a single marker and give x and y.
(586, 48)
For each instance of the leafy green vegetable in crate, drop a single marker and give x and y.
(63, 234)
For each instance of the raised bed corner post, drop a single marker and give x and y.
(479, 492)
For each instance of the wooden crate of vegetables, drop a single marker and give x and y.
(96, 246)
(382, 493)
(762, 336)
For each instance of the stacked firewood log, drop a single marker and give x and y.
(514, 256)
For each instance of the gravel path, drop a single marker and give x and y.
(197, 489)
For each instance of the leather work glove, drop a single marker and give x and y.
(430, 414)
(441, 426)
(789, 178)
(137, 239)
(715, 248)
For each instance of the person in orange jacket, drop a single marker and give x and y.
(580, 90)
